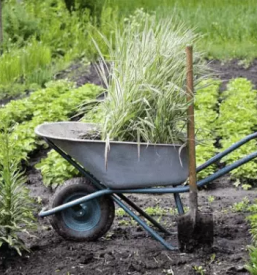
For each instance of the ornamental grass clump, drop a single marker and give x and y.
(145, 80)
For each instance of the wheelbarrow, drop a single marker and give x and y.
(83, 208)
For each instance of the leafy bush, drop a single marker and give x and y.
(94, 6)
(238, 118)
(206, 100)
(57, 110)
(21, 110)
(23, 62)
(55, 169)
(15, 204)
(68, 35)
(19, 25)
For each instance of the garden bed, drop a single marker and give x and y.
(127, 249)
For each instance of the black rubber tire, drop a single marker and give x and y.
(107, 210)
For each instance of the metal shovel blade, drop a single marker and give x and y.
(195, 231)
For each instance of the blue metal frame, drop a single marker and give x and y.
(118, 197)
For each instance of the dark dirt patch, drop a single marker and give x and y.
(5, 100)
(233, 69)
(127, 249)
(81, 74)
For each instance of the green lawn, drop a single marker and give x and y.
(228, 27)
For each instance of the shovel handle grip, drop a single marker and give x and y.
(190, 123)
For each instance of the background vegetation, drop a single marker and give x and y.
(228, 28)
(55, 32)
(41, 38)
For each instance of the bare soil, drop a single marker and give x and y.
(126, 248)
(234, 69)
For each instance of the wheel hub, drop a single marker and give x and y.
(82, 211)
(82, 217)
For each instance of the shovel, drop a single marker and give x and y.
(195, 229)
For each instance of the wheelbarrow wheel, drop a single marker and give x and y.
(87, 221)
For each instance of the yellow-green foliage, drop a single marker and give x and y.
(22, 62)
(55, 169)
(205, 119)
(22, 110)
(238, 118)
(59, 109)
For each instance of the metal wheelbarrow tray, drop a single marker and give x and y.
(127, 165)
(131, 168)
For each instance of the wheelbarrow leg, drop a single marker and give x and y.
(143, 224)
(179, 204)
(145, 215)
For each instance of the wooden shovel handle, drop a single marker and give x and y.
(191, 124)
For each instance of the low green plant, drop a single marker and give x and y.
(59, 109)
(206, 114)
(212, 258)
(16, 206)
(241, 206)
(246, 206)
(156, 211)
(169, 271)
(55, 169)
(211, 199)
(253, 223)
(124, 223)
(23, 62)
(120, 212)
(238, 118)
(199, 269)
(246, 186)
(94, 115)
(22, 110)
(251, 266)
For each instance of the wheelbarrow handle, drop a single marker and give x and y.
(229, 150)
